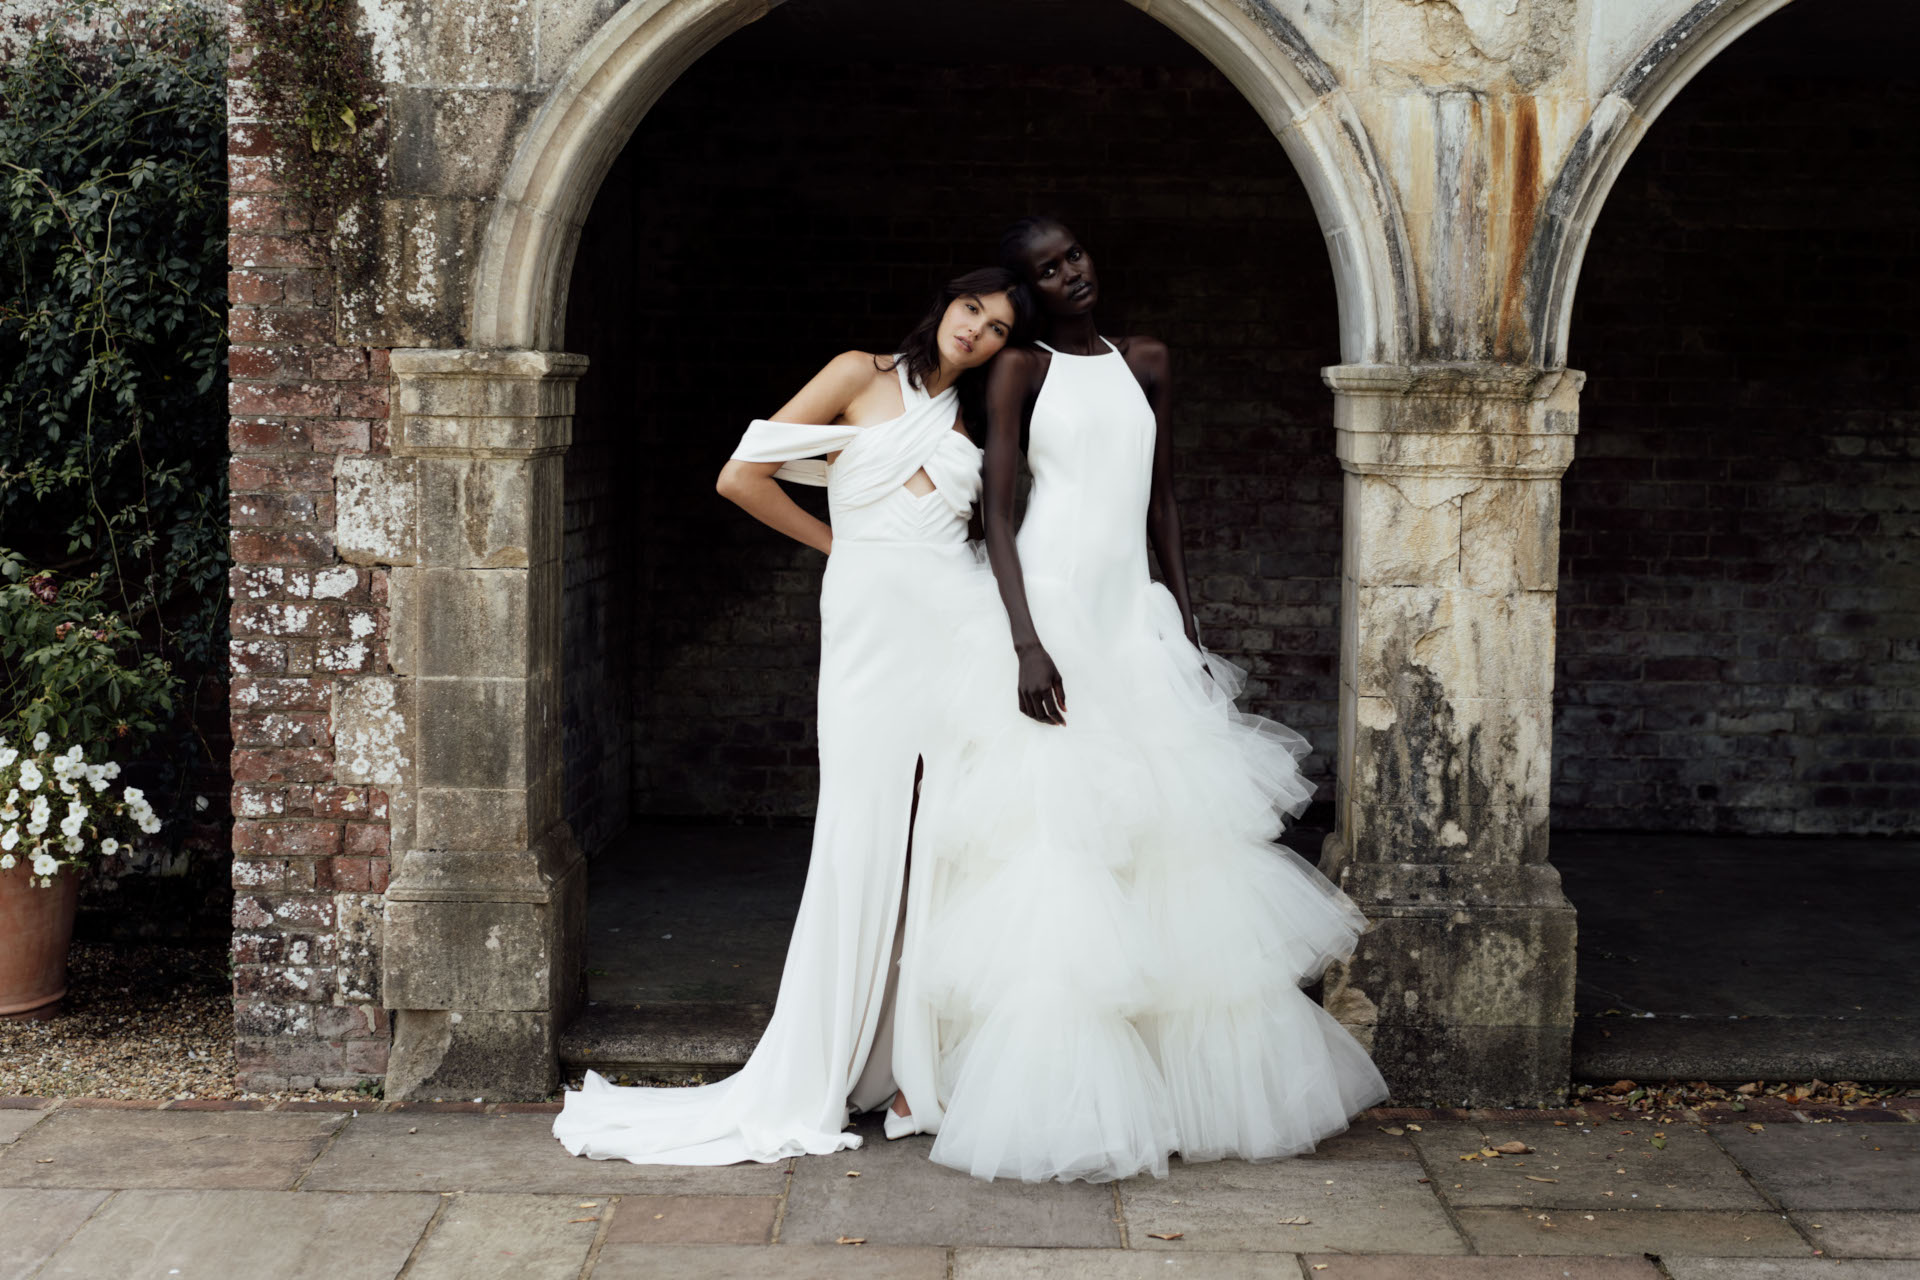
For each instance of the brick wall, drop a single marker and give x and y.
(1740, 581)
(705, 301)
(309, 848)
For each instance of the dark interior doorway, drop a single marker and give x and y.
(799, 192)
(1737, 735)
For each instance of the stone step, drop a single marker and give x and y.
(1754, 1048)
(670, 1040)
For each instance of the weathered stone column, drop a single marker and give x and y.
(1464, 987)
(486, 912)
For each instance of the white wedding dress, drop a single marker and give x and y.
(1116, 945)
(897, 590)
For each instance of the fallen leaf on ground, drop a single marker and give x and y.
(588, 1204)
(1293, 1222)
(1513, 1149)
(1392, 1129)
(853, 1173)
(583, 1219)
(1319, 1266)
(1414, 1128)
(851, 1240)
(1167, 1235)
(1757, 1128)
(1658, 1142)
(1536, 1178)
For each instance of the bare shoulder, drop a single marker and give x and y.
(856, 370)
(1016, 367)
(1146, 354)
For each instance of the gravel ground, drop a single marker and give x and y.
(140, 1021)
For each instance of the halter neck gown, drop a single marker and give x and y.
(1117, 957)
(890, 601)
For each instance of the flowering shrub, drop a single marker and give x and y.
(58, 809)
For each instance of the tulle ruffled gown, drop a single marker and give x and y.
(899, 585)
(1116, 945)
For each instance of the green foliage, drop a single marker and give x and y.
(315, 76)
(112, 337)
(72, 667)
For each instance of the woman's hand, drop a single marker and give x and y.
(1042, 696)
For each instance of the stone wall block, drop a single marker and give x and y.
(453, 142)
(1510, 537)
(474, 818)
(357, 951)
(478, 731)
(451, 42)
(1404, 529)
(376, 505)
(490, 513)
(467, 955)
(459, 1055)
(413, 292)
(375, 742)
(474, 621)
(1426, 642)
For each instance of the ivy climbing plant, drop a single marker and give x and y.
(313, 73)
(112, 334)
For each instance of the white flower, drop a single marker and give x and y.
(40, 808)
(69, 787)
(7, 756)
(112, 769)
(75, 843)
(109, 846)
(200, 804)
(135, 795)
(30, 776)
(70, 825)
(8, 811)
(6, 862)
(150, 825)
(74, 753)
(37, 826)
(40, 740)
(60, 766)
(97, 776)
(9, 838)
(44, 864)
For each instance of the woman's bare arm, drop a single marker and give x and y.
(751, 485)
(1010, 381)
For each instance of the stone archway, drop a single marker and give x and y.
(1620, 119)
(486, 910)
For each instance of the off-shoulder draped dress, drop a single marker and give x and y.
(899, 570)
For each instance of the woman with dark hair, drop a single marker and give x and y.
(1120, 947)
(884, 435)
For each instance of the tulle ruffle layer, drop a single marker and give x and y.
(1118, 947)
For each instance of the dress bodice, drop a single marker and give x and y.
(1090, 448)
(867, 497)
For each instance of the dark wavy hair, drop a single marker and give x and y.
(1013, 241)
(920, 349)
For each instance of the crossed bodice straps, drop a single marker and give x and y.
(877, 460)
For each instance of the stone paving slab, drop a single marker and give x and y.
(285, 1235)
(1785, 1269)
(1611, 1166)
(38, 1222)
(155, 1149)
(1631, 1232)
(901, 1197)
(768, 1262)
(1367, 1140)
(480, 1237)
(512, 1153)
(1851, 1233)
(1358, 1206)
(694, 1220)
(1334, 1266)
(1831, 1166)
(15, 1123)
(1120, 1264)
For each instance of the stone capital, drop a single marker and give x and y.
(483, 404)
(1470, 420)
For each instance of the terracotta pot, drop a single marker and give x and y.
(35, 927)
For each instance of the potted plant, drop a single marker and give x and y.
(71, 704)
